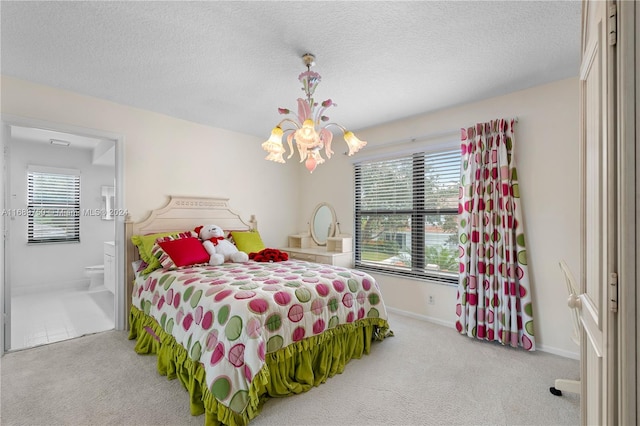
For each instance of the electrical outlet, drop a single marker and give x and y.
(432, 300)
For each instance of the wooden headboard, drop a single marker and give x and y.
(180, 214)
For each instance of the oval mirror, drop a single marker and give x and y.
(323, 223)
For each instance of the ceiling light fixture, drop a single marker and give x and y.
(58, 142)
(308, 131)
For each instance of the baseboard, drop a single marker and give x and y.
(421, 317)
(560, 352)
(541, 348)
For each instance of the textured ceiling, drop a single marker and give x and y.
(232, 64)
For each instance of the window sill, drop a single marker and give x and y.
(407, 276)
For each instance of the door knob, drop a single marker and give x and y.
(574, 301)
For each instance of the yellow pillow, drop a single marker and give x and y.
(145, 246)
(248, 241)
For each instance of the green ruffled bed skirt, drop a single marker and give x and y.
(290, 370)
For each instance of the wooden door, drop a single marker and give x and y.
(598, 299)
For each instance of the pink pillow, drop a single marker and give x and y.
(181, 252)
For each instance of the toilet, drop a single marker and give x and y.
(96, 276)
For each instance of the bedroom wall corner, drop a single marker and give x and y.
(547, 161)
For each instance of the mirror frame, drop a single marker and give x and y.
(332, 227)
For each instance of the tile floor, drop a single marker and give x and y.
(38, 319)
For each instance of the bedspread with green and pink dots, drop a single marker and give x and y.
(229, 317)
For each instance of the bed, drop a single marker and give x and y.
(238, 334)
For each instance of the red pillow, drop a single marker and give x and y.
(183, 252)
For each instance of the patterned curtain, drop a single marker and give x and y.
(494, 295)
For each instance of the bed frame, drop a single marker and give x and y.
(179, 214)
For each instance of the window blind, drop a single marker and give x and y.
(53, 206)
(406, 214)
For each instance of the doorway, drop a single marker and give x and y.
(54, 258)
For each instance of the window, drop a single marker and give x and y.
(406, 215)
(53, 205)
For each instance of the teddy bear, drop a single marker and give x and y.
(218, 247)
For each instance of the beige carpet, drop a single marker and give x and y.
(425, 375)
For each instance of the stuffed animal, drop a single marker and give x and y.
(220, 249)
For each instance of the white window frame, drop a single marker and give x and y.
(416, 266)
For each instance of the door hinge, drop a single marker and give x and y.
(613, 292)
(613, 24)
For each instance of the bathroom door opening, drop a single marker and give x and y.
(65, 294)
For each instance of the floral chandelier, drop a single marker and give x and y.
(310, 135)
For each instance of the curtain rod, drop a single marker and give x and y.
(423, 137)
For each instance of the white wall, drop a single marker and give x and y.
(48, 275)
(547, 158)
(164, 156)
(167, 156)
